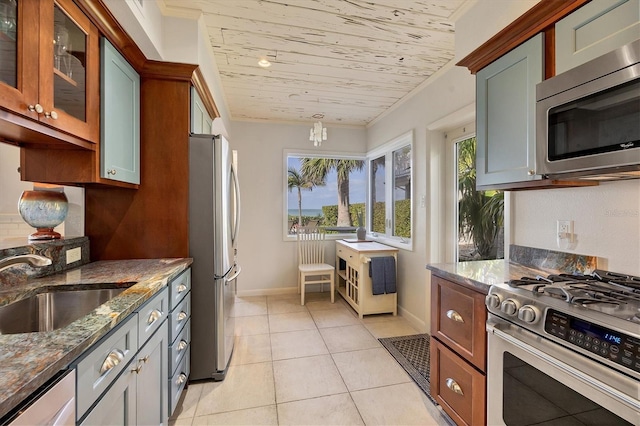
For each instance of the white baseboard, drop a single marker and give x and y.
(415, 322)
(268, 292)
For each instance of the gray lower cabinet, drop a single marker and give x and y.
(179, 337)
(596, 28)
(137, 397)
(505, 116)
(121, 384)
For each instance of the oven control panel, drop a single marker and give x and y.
(613, 346)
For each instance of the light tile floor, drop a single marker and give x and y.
(317, 364)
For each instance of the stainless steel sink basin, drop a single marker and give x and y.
(52, 310)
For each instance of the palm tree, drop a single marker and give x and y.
(317, 169)
(480, 213)
(298, 180)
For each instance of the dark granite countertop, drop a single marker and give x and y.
(479, 275)
(29, 360)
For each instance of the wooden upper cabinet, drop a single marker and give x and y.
(49, 70)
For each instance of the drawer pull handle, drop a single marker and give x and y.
(181, 379)
(181, 288)
(154, 316)
(454, 386)
(453, 315)
(182, 345)
(114, 358)
(182, 315)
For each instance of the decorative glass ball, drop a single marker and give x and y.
(43, 210)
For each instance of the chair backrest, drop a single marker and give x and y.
(310, 247)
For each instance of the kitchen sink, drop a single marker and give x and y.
(52, 310)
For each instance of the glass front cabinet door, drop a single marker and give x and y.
(49, 65)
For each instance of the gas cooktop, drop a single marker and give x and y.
(607, 292)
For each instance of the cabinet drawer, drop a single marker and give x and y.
(151, 315)
(179, 317)
(458, 387)
(347, 254)
(458, 318)
(179, 347)
(179, 287)
(99, 367)
(178, 381)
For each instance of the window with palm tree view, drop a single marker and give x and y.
(325, 192)
(480, 213)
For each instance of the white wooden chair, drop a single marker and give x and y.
(311, 266)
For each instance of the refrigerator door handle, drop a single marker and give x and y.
(234, 276)
(223, 276)
(236, 219)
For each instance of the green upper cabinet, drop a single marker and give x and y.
(120, 117)
(506, 105)
(595, 29)
(200, 119)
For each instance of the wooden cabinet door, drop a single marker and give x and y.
(458, 318)
(19, 57)
(120, 117)
(506, 106)
(69, 70)
(595, 29)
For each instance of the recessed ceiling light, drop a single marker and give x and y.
(264, 63)
(318, 115)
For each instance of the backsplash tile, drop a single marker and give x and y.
(54, 250)
(552, 261)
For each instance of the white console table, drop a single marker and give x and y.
(353, 281)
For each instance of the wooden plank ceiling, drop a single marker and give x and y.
(343, 61)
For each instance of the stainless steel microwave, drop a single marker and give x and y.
(588, 119)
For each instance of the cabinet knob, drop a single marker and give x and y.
(52, 115)
(154, 316)
(531, 172)
(114, 358)
(111, 172)
(182, 345)
(182, 315)
(181, 288)
(37, 108)
(181, 379)
(454, 386)
(455, 316)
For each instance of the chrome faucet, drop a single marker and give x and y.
(34, 260)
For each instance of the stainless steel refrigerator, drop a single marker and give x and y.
(214, 212)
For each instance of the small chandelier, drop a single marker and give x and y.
(317, 134)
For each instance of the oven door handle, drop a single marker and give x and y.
(501, 330)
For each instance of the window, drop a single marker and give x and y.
(390, 193)
(326, 191)
(480, 214)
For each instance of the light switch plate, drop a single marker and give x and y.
(74, 255)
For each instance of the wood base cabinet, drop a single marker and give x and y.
(458, 351)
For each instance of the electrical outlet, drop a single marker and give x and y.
(564, 233)
(74, 255)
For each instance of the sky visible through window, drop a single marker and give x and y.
(313, 201)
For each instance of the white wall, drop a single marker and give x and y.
(606, 222)
(269, 264)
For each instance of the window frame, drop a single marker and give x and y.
(387, 150)
(316, 154)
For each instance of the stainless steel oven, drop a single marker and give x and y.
(531, 381)
(564, 350)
